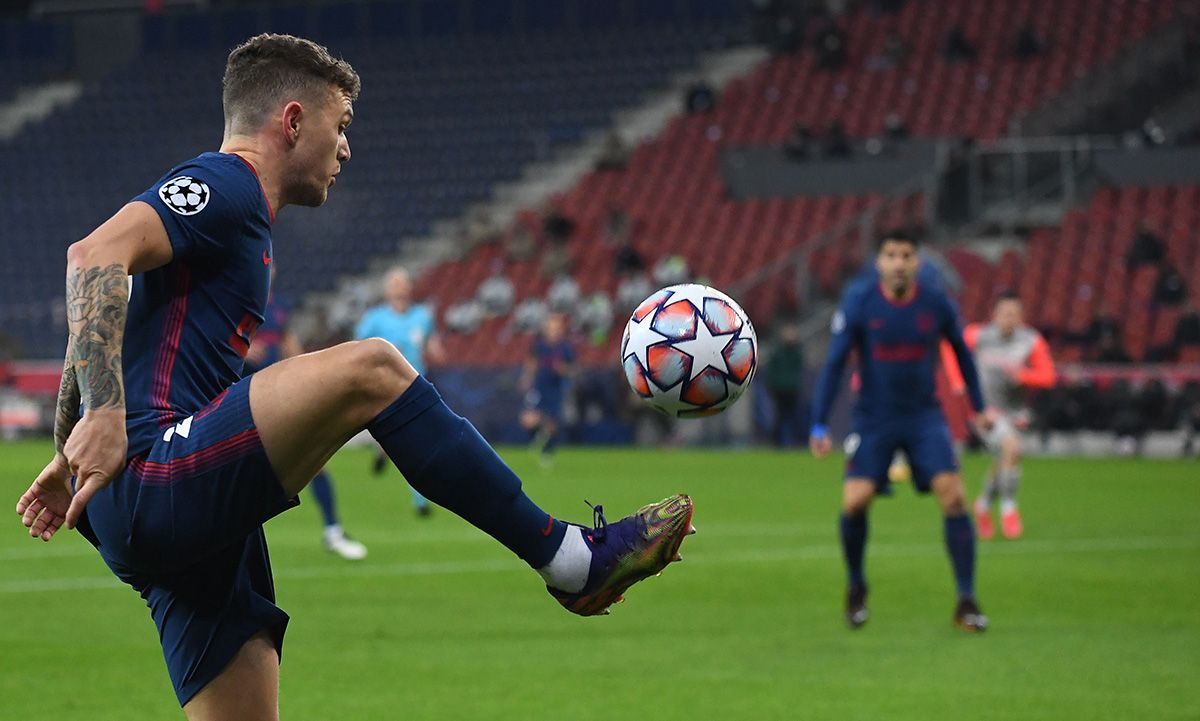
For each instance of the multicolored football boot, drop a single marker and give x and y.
(623, 553)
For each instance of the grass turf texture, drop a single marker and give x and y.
(1094, 614)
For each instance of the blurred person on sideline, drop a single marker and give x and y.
(411, 328)
(1012, 358)
(545, 379)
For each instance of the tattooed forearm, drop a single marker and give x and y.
(97, 302)
(66, 415)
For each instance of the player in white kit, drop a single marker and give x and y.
(1012, 358)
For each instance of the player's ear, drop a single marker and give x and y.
(293, 112)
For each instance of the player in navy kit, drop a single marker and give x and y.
(169, 462)
(544, 380)
(896, 326)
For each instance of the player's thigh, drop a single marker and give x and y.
(530, 419)
(307, 407)
(869, 450)
(926, 441)
(247, 690)
(1010, 451)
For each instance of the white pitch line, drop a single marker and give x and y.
(292, 538)
(758, 555)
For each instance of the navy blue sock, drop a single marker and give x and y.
(322, 490)
(960, 543)
(854, 546)
(447, 461)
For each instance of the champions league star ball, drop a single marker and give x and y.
(689, 350)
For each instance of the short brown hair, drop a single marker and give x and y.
(265, 69)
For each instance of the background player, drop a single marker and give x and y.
(173, 482)
(545, 379)
(272, 343)
(411, 328)
(896, 327)
(1012, 358)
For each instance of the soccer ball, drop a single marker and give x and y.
(689, 350)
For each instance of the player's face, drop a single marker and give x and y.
(1007, 316)
(556, 327)
(897, 264)
(399, 287)
(321, 148)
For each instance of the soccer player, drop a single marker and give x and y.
(410, 327)
(1012, 357)
(272, 343)
(544, 380)
(177, 462)
(896, 326)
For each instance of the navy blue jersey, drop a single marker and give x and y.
(270, 335)
(897, 346)
(191, 321)
(551, 357)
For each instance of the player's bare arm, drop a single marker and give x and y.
(92, 448)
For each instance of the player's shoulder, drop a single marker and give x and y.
(1028, 335)
(937, 297)
(377, 312)
(225, 168)
(209, 179)
(858, 292)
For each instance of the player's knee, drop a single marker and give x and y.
(855, 502)
(1010, 450)
(379, 369)
(953, 501)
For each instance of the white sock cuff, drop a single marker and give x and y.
(568, 570)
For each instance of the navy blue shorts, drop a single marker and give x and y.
(183, 526)
(547, 400)
(924, 438)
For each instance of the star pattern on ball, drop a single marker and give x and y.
(693, 293)
(641, 337)
(705, 350)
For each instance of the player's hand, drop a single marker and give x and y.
(43, 508)
(95, 454)
(819, 442)
(983, 423)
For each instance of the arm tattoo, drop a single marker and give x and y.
(66, 414)
(97, 302)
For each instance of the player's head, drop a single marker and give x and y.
(397, 286)
(554, 327)
(897, 261)
(302, 98)
(1008, 312)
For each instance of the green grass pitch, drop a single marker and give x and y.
(1094, 614)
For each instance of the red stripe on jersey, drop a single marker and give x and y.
(212, 405)
(196, 462)
(164, 364)
(270, 210)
